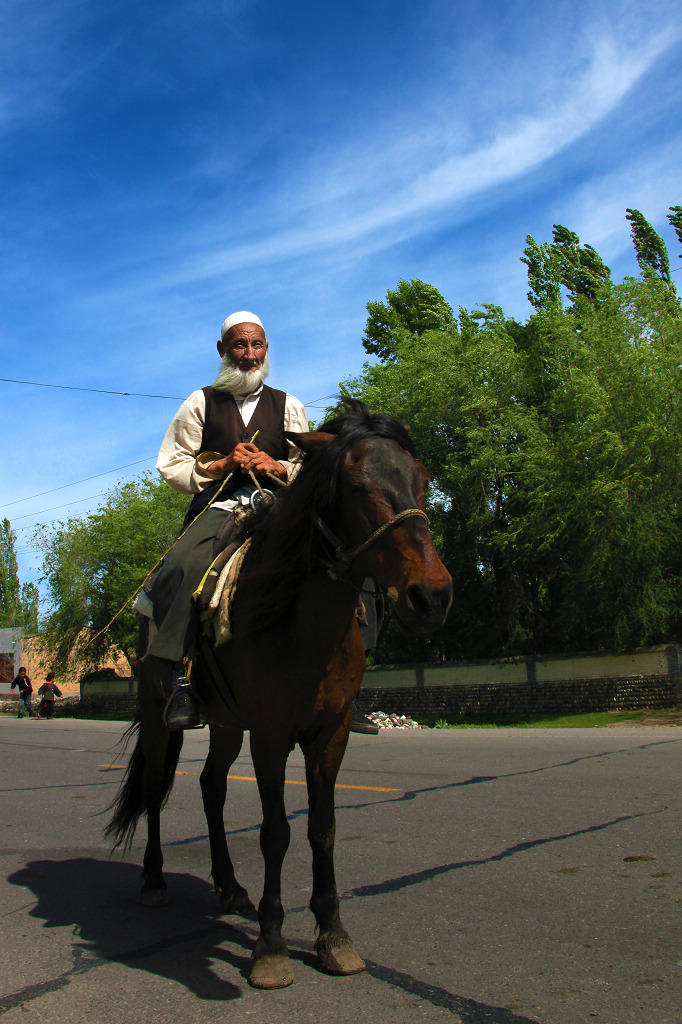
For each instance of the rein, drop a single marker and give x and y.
(343, 556)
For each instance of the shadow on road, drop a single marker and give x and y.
(94, 898)
(181, 942)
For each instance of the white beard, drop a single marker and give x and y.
(240, 383)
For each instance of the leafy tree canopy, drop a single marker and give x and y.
(93, 565)
(652, 254)
(18, 602)
(555, 453)
(413, 308)
(562, 262)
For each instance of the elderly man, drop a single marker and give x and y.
(209, 438)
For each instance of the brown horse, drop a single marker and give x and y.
(294, 664)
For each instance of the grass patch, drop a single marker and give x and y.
(585, 720)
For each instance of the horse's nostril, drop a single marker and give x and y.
(419, 599)
(424, 602)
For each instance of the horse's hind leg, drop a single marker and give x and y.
(223, 750)
(334, 946)
(271, 965)
(161, 750)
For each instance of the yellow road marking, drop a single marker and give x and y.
(288, 782)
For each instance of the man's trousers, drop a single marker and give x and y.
(180, 575)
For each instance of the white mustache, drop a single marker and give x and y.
(240, 383)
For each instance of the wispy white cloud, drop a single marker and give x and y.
(650, 184)
(366, 205)
(39, 59)
(51, 52)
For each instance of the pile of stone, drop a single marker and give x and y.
(385, 721)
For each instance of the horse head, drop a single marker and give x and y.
(370, 507)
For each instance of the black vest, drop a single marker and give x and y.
(224, 428)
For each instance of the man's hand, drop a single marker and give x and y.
(246, 456)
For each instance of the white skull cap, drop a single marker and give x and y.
(242, 317)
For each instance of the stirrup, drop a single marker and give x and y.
(181, 711)
(360, 722)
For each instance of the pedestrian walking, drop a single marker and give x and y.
(23, 683)
(47, 692)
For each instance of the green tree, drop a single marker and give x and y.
(93, 564)
(651, 250)
(563, 262)
(413, 308)
(555, 453)
(675, 218)
(18, 603)
(30, 606)
(10, 591)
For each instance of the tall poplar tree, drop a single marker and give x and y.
(10, 591)
(562, 262)
(18, 604)
(651, 250)
(413, 308)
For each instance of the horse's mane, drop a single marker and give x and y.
(288, 519)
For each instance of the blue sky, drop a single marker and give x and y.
(165, 163)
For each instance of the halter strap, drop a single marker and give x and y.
(343, 556)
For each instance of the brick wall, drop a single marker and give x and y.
(518, 699)
(471, 700)
(110, 702)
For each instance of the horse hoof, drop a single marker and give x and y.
(237, 903)
(339, 959)
(154, 898)
(272, 970)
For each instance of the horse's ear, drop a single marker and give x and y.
(309, 442)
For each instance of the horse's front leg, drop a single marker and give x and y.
(223, 750)
(271, 966)
(334, 946)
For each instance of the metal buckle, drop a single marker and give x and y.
(258, 498)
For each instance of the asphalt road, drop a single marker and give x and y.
(487, 876)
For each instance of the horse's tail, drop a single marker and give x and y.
(131, 801)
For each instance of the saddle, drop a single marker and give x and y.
(226, 543)
(224, 546)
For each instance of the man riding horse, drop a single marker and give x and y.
(221, 437)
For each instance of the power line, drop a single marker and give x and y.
(308, 405)
(76, 501)
(30, 515)
(102, 391)
(75, 482)
(97, 391)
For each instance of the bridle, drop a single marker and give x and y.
(340, 562)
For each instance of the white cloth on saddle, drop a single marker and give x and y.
(143, 605)
(218, 611)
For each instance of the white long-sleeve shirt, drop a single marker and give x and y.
(180, 464)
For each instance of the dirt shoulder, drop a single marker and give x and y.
(654, 716)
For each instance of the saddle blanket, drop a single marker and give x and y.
(215, 614)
